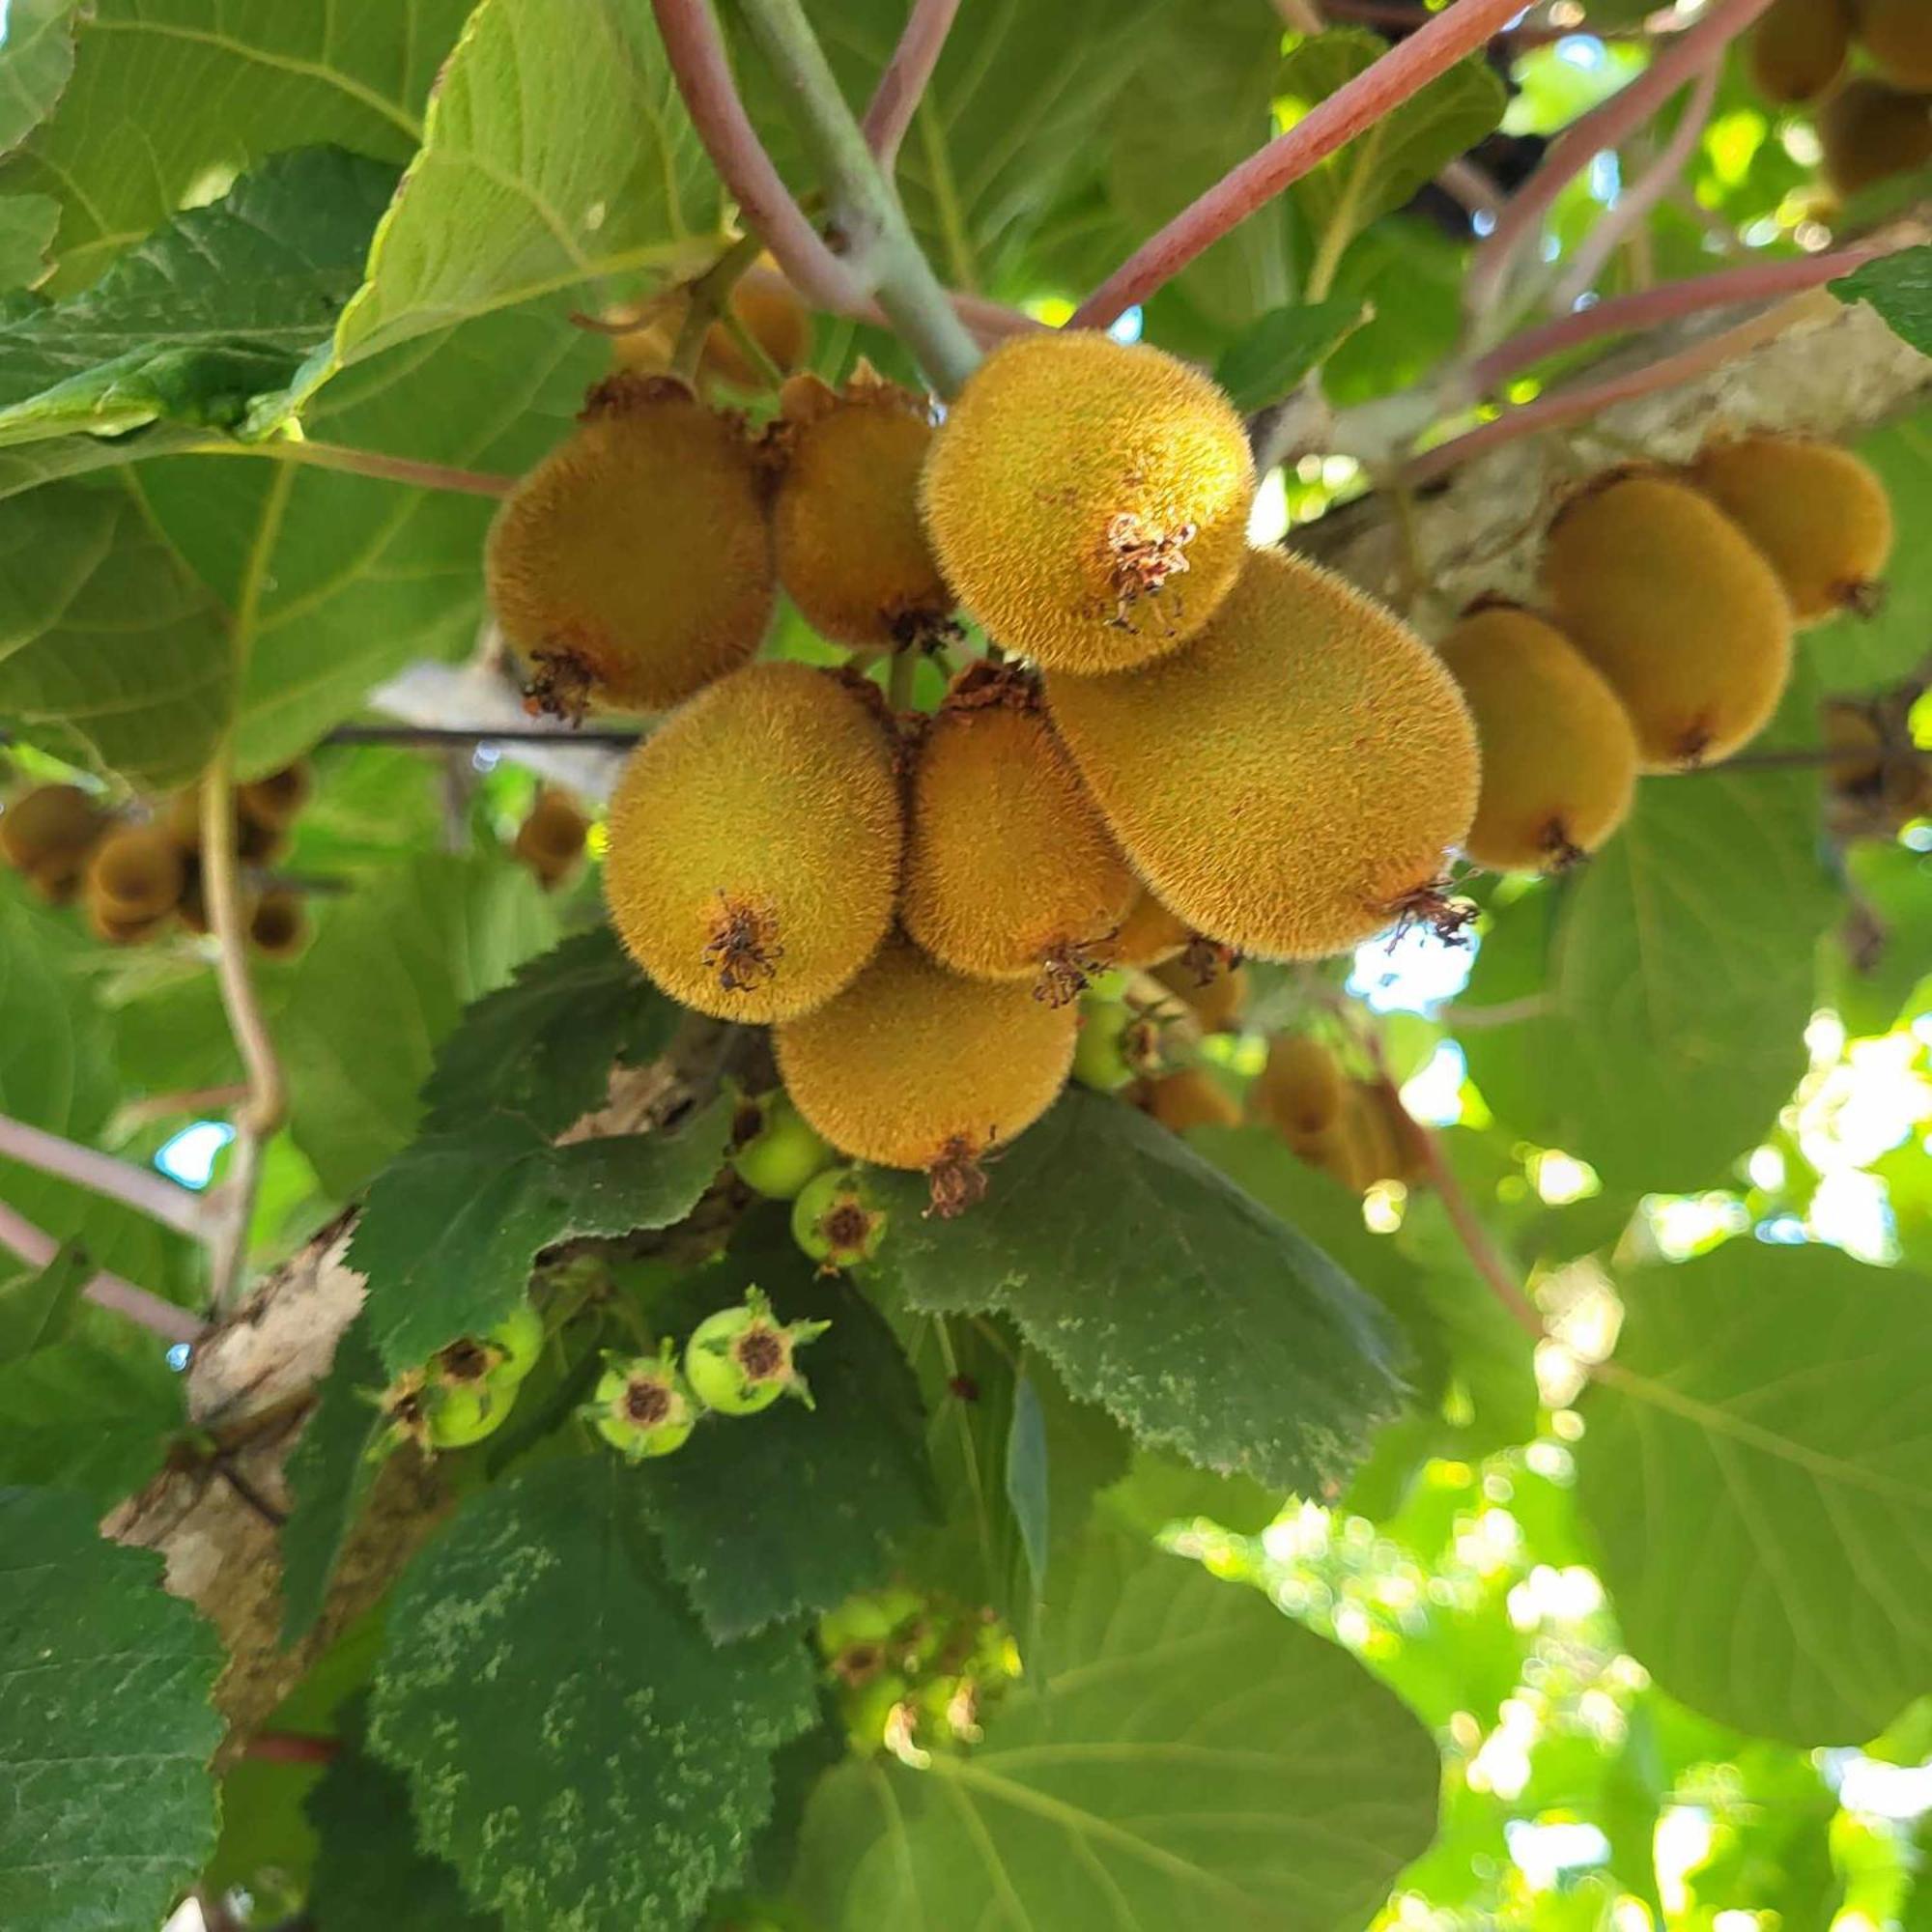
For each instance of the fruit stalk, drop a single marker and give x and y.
(141, 1188)
(878, 245)
(897, 98)
(1404, 70)
(37, 1248)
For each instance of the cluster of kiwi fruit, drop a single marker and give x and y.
(1872, 124)
(137, 876)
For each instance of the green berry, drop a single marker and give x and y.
(835, 1221)
(456, 1415)
(519, 1338)
(740, 1360)
(870, 1618)
(1100, 1048)
(641, 1407)
(878, 1709)
(783, 1154)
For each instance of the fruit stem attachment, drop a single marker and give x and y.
(875, 238)
(373, 463)
(897, 98)
(261, 1114)
(710, 297)
(37, 1248)
(141, 1188)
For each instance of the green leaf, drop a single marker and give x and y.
(369, 1869)
(387, 976)
(209, 314)
(36, 59)
(1196, 1762)
(1162, 1292)
(548, 159)
(751, 1547)
(1680, 981)
(453, 1224)
(328, 1475)
(78, 1416)
(106, 1725)
(544, 1045)
(1277, 350)
(212, 86)
(111, 655)
(642, 1765)
(1899, 286)
(38, 1310)
(27, 224)
(1158, 1490)
(1757, 1470)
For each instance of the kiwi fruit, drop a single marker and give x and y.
(278, 799)
(1797, 49)
(1290, 780)
(633, 566)
(1149, 934)
(1898, 33)
(1559, 756)
(1818, 514)
(1189, 1098)
(137, 873)
(1089, 499)
(914, 1065)
(48, 834)
(1217, 994)
(1670, 601)
(1011, 870)
(278, 927)
(754, 842)
(1871, 131)
(113, 932)
(762, 304)
(1301, 1090)
(852, 552)
(550, 842)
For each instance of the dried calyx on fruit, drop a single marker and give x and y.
(634, 564)
(740, 1360)
(643, 1406)
(1559, 756)
(837, 1220)
(278, 927)
(755, 844)
(1288, 781)
(1211, 984)
(1011, 870)
(852, 551)
(1089, 499)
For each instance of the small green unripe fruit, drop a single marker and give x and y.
(871, 1618)
(835, 1221)
(458, 1415)
(1101, 1049)
(783, 1154)
(518, 1339)
(740, 1360)
(643, 1408)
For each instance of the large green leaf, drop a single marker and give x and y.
(1679, 979)
(453, 1224)
(209, 315)
(636, 1764)
(387, 976)
(106, 1727)
(1196, 1761)
(37, 1309)
(172, 98)
(27, 223)
(1158, 1288)
(553, 153)
(1757, 1470)
(83, 1417)
(36, 59)
(1899, 286)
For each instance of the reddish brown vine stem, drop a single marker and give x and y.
(37, 1248)
(896, 100)
(1404, 70)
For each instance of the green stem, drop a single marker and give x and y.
(874, 237)
(899, 678)
(709, 301)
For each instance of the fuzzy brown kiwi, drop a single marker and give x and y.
(278, 927)
(113, 932)
(47, 833)
(278, 798)
(1301, 1090)
(755, 844)
(852, 551)
(138, 872)
(1290, 780)
(1670, 601)
(1898, 33)
(1189, 1098)
(1089, 499)
(1819, 516)
(1559, 754)
(550, 842)
(1011, 870)
(633, 566)
(1797, 49)
(1871, 131)
(1217, 999)
(918, 1067)
(762, 304)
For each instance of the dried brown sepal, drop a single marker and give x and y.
(625, 391)
(1142, 559)
(1561, 855)
(956, 1179)
(1430, 905)
(560, 685)
(744, 949)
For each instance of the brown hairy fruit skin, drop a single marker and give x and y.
(278, 799)
(852, 553)
(278, 928)
(113, 932)
(1871, 131)
(772, 316)
(137, 873)
(1300, 1092)
(48, 834)
(1797, 49)
(1148, 936)
(1898, 33)
(1011, 870)
(550, 842)
(1089, 499)
(1288, 782)
(755, 844)
(633, 566)
(1559, 754)
(1219, 1001)
(918, 1067)
(1818, 514)
(1687, 622)
(1189, 1098)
